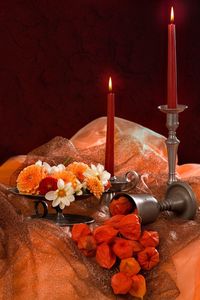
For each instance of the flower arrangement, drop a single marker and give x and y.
(61, 184)
(121, 242)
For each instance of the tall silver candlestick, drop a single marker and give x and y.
(172, 142)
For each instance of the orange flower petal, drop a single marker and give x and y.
(66, 176)
(95, 186)
(29, 179)
(77, 168)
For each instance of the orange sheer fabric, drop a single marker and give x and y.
(138, 148)
(8, 168)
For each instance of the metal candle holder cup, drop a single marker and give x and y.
(120, 184)
(179, 199)
(125, 183)
(172, 142)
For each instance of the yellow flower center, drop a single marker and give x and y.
(61, 193)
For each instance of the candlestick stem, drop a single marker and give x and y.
(172, 142)
(172, 145)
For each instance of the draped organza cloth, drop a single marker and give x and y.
(38, 260)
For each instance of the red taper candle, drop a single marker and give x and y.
(172, 69)
(109, 153)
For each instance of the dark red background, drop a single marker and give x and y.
(56, 56)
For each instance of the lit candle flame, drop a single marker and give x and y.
(110, 84)
(172, 15)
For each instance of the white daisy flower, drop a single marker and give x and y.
(98, 171)
(63, 196)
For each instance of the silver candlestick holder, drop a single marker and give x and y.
(186, 203)
(172, 142)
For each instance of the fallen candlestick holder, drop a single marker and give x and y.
(179, 199)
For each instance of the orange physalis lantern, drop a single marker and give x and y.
(104, 233)
(120, 206)
(121, 283)
(79, 230)
(136, 246)
(130, 227)
(130, 266)
(122, 248)
(114, 221)
(87, 245)
(148, 258)
(138, 288)
(149, 239)
(104, 256)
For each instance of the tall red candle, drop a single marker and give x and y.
(109, 154)
(172, 69)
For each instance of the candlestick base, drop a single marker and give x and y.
(181, 200)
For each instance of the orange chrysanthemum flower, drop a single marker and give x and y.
(66, 176)
(77, 168)
(29, 179)
(95, 186)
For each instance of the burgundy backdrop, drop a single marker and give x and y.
(56, 57)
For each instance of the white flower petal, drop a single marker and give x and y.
(68, 185)
(68, 199)
(71, 198)
(94, 170)
(100, 168)
(47, 167)
(54, 169)
(52, 195)
(84, 185)
(69, 189)
(60, 184)
(79, 193)
(38, 163)
(93, 167)
(62, 205)
(67, 203)
(61, 167)
(78, 188)
(88, 173)
(105, 176)
(56, 202)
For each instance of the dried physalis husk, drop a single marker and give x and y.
(130, 227)
(136, 246)
(130, 266)
(104, 233)
(120, 206)
(104, 256)
(114, 221)
(138, 288)
(79, 230)
(148, 258)
(87, 245)
(149, 239)
(121, 283)
(122, 248)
